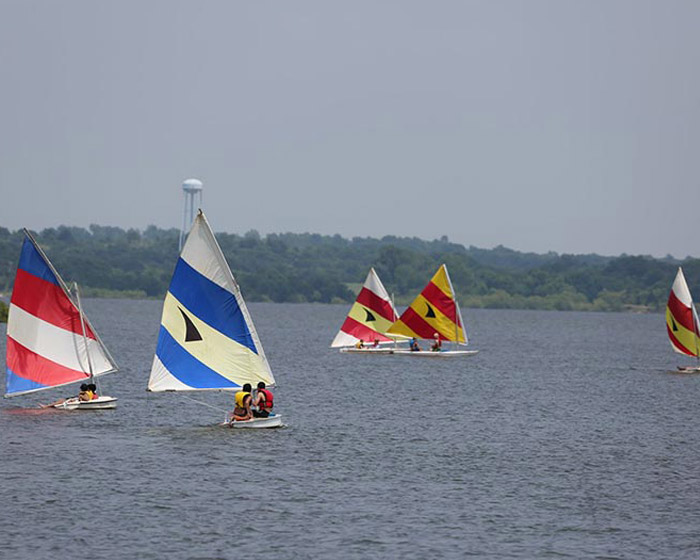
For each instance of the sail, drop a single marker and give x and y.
(370, 316)
(46, 345)
(435, 310)
(681, 318)
(207, 339)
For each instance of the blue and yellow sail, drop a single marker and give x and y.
(207, 340)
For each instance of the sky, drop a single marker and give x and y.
(542, 125)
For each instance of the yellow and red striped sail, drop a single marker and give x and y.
(681, 318)
(435, 310)
(369, 317)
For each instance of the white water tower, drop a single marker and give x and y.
(193, 200)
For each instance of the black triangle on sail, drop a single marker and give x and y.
(191, 332)
(430, 314)
(369, 317)
(675, 328)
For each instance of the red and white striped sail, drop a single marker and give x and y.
(681, 318)
(48, 342)
(370, 316)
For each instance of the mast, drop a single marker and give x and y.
(456, 321)
(394, 318)
(458, 315)
(82, 325)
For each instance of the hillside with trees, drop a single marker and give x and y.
(290, 267)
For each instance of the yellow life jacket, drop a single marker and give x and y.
(240, 397)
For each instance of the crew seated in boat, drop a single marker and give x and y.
(264, 401)
(84, 395)
(243, 400)
(437, 344)
(360, 344)
(414, 345)
(92, 387)
(376, 343)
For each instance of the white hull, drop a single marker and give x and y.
(404, 352)
(366, 350)
(258, 423)
(689, 369)
(441, 354)
(101, 403)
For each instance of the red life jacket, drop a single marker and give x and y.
(269, 399)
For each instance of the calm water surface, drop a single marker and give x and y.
(566, 437)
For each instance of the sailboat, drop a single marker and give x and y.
(434, 315)
(207, 340)
(682, 322)
(50, 342)
(368, 320)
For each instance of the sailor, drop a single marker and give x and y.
(360, 344)
(437, 345)
(414, 345)
(92, 387)
(243, 400)
(264, 401)
(86, 392)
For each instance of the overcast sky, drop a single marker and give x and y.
(570, 126)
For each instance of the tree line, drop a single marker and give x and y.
(290, 267)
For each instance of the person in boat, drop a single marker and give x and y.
(84, 395)
(264, 401)
(376, 342)
(243, 400)
(360, 344)
(414, 345)
(92, 387)
(437, 344)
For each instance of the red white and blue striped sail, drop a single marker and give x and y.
(47, 343)
(207, 339)
(370, 316)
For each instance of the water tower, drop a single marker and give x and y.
(193, 200)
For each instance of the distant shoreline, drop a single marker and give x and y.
(109, 262)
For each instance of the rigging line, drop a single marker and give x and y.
(206, 404)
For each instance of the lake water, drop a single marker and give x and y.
(565, 437)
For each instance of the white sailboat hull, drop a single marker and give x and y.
(366, 350)
(257, 423)
(441, 354)
(101, 403)
(404, 352)
(689, 369)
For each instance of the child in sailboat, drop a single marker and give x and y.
(243, 399)
(264, 401)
